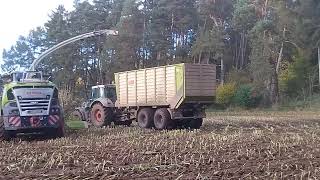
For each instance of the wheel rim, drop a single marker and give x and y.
(98, 115)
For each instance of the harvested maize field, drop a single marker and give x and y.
(264, 145)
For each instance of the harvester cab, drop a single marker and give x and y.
(28, 76)
(30, 104)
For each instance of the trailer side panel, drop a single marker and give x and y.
(167, 86)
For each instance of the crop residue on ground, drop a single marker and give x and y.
(236, 145)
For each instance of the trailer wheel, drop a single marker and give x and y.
(77, 115)
(4, 135)
(101, 116)
(162, 119)
(145, 118)
(195, 123)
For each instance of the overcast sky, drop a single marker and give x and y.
(18, 17)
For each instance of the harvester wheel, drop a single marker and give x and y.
(57, 132)
(145, 118)
(61, 131)
(162, 119)
(4, 135)
(77, 115)
(101, 116)
(195, 123)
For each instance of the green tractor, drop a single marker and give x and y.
(100, 110)
(30, 105)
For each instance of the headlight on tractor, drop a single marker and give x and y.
(55, 110)
(14, 112)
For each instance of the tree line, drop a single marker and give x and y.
(271, 45)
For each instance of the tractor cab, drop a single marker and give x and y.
(104, 91)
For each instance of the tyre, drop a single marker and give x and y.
(4, 135)
(60, 131)
(77, 115)
(57, 132)
(145, 118)
(101, 116)
(162, 119)
(195, 123)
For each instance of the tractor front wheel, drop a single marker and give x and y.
(77, 115)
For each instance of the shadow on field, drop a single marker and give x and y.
(31, 138)
(34, 137)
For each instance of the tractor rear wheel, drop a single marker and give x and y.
(162, 119)
(101, 116)
(145, 118)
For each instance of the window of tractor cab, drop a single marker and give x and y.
(35, 75)
(95, 93)
(110, 92)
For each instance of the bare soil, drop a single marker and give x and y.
(246, 145)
